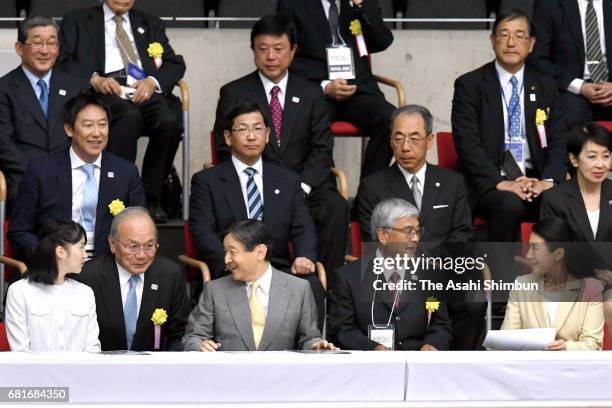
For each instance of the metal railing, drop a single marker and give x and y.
(253, 19)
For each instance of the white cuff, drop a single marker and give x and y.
(157, 87)
(324, 84)
(575, 85)
(307, 189)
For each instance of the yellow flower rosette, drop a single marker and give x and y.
(432, 304)
(541, 117)
(116, 206)
(155, 50)
(355, 27)
(159, 317)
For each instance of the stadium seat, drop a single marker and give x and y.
(57, 8)
(8, 9)
(606, 124)
(244, 9)
(181, 8)
(355, 242)
(446, 9)
(525, 6)
(4, 344)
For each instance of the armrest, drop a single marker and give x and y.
(321, 274)
(399, 88)
(184, 95)
(342, 182)
(194, 263)
(13, 263)
(350, 258)
(2, 187)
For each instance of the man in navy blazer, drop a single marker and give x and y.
(28, 131)
(219, 199)
(57, 187)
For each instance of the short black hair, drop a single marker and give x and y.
(43, 263)
(580, 134)
(241, 109)
(276, 25)
(251, 233)
(80, 102)
(32, 22)
(509, 16)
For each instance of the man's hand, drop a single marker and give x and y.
(209, 345)
(589, 91)
(380, 347)
(144, 90)
(428, 347)
(603, 94)
(540, 186)
(106, 86)
(324, 345)
(557, 345)
(357, 3)
(521, 187)
(339, 89)
(302, 266)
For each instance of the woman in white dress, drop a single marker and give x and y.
(47, 310)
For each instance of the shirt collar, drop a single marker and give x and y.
(420, 175)
(34, 79)
(240, 166)
(264, 281)
(76, 161)
(109, 14)
(505, 76)
(388, 272)
(124, 276)
(268, 85)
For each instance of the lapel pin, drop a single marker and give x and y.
(141, 30)
(277, 191)
(437, 184)
(295, 99)
(154, 286)
(532, 97)
(610, 202)
(62, 92)
(110, 174)
(533, 87)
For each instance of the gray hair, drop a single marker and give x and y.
(413, 110)
(126, 213)
(388, 211)
(32, 22)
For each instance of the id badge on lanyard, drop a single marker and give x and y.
(340, 63)
(384, 336)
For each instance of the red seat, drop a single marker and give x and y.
(213, 150)
(606, 124)
(4, 344)
(355, 239)
(346, 129)
(190, 259)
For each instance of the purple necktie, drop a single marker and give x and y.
(277, 113)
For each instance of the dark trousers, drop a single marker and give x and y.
(372, 114)
(330, 213)
(319, 296)
(468, 322)
(505, 212)
(577, 109)
(154, 118)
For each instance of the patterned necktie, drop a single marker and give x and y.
(125, 45)
(598, 67)
(44, 96)
(253, 196)
(514, 112)
(130, 311)
(90, 197)
(416, 193)
(258, 317)
(333, 20)
(277, 112)
(396, 297)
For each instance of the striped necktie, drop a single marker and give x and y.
(255, 203)
(130, 311)
(43, 98)
(90, 198)
(125, 45)
(598, 66)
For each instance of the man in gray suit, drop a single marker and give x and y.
(256, 308)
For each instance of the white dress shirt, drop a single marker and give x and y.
(268, 85)
(41, 317)
(594, 221)
(263, 290)
(504, 79)
(124, 284)
(240, 167)
(79, 177)
(34, 80)
(576, 83)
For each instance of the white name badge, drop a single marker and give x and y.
(340, 63)
(385, 336)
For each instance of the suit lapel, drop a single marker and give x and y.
(398, 185)
(567, 303)
(111, 295)
(238, 304)
(492, 93)
(95, 29)
(64, 183)
(277, 307)
(430, 191)
(318, 17)
(578, 209)
(140, 38)
(271, 186)
(531, 86)
(233, 191)
(56, 100)
(572, 12)
(105, 192)
(607, 16)
(147, 305)
(605, 212)
(28, 98)
(290, 112)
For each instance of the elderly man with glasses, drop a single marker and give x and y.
(134, 283)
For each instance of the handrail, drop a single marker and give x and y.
(253, 19)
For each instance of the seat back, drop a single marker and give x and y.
(447, 155)
(190, 248)
(57, 8)
(606, 124)
(213, 150)
(8, 9)
(4, 344)
(356, 239)
(168, 8)
(244, 9)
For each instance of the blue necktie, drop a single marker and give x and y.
(90, 198)
(253, 196)
(514, 112)
(130, 311)
(44, 96)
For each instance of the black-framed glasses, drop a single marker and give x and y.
(517, 35)
(148, 248)
(399, 140)
(410, 231)
(244, 131)
(37, 45)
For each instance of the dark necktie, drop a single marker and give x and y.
(598, 67)
(277, 112)
(125, 45)
(254, 200)
(396, 296)
(44, 96)
(333, 20)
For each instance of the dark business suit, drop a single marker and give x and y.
(83, 53)
(216, 203)
(559, 53)
(164, 288)
(478, 131)
(306, 148)
(26, 135)
(367, 107)
(350, 314)
(46, 194)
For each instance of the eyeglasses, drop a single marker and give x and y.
(37, 45)
(149, 247)
(410, 231)
(399, 140)
(244, 131)
(517, 35)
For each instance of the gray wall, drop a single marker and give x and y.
(426, 62)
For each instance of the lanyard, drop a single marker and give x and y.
(390, 314)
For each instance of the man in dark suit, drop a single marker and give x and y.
(118, 46)
(440, 194)
(509, 132)
(32, 98)
(135, 283)
(246, 187)
(358, 304)
(573, 37)
(79, 183)
(320, 24)
(300, 139)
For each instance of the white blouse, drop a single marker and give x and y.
(41, 317)
(594, 221)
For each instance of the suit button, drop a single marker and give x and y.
(397, 318)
